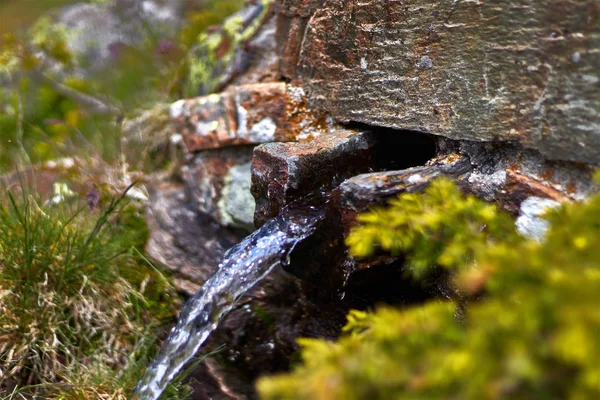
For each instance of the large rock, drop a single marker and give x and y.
(190, 244)
(515, 71)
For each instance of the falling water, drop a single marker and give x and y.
(243, 265)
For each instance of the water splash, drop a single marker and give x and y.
(243, 266)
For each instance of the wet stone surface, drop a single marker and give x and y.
(282, 172)
(505, 174)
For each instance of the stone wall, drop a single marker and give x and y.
(503, 97)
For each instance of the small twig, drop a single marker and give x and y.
(23, 153)
(91, 103)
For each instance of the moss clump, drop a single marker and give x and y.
(532, 324)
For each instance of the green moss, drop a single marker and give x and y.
(439, 228)
(531, 325)
(213, 13)
(214, 52)
(233, 26)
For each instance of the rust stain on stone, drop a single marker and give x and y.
(519, 186)
(547, 174)
(248, 114)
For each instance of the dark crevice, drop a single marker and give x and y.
(327, 266)
(400, 149)
(389, 284)
(404, 149)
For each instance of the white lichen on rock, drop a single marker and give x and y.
(236, 205)
(263, 131)
(531, 223)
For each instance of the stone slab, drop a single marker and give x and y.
(248, 114)
(283, 172)
(526, 71)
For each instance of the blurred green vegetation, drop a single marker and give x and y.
(17, 15)
(531, 329)
(59, 105)
(81, 307)
(216, 51)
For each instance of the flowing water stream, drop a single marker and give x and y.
(243, 266)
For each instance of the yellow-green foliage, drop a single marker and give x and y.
(439, 228)
(51, 38)
(212, 14)
(534, 333)
(39, 121)
(203, 64)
